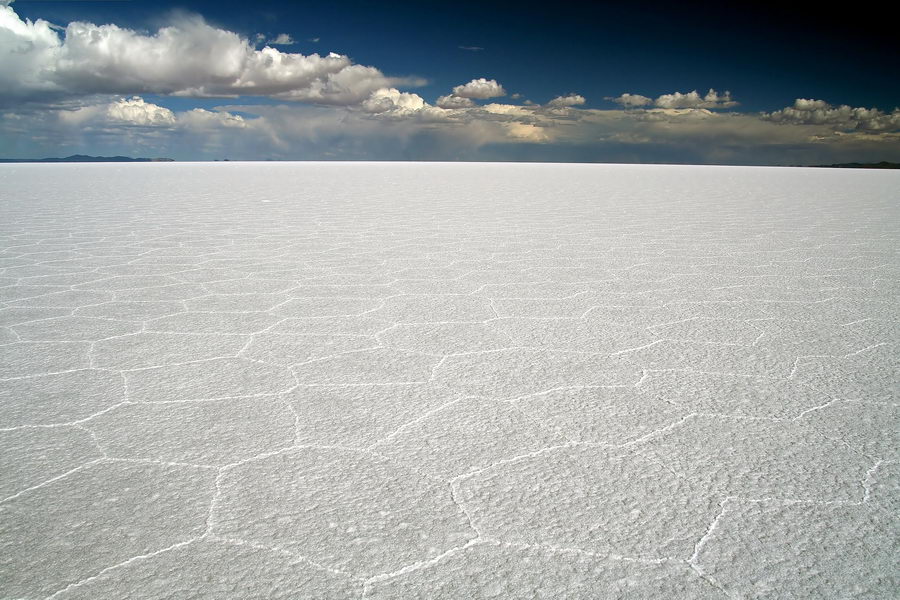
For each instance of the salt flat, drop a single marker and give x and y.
(398, 380)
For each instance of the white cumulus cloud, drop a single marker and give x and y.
(392, 100)
(809, 104)
(631, 100)
(479, 88)
(843, 117)
(188, 57)
(451, 101)
(677, 100)
(283, 39)
(136, 111)
(526, 132)
(27, 52)
(200, 119)
(567, 101)
(712, 99)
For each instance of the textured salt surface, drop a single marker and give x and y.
(448, 381)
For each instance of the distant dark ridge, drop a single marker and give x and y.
(879, 165)
(84, 158)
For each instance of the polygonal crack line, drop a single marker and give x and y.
(18, 338)
(561, 388)
(381, 305)
(465, 511)
(75, 423)
(372, 447)
(52, 479)
(544, 425)
(419, 565)
(116, 297)
(492, 305)
(636, 348)
(657, 432)
(246, 346)
(713, 582)
(817, 431)
(869, 479)
(61, 290)
(222, 469)
(701, 542)
(531, 350)
(217, 493)
(12, 326)
(759, 338)
(866, 349)
(210, 519)
(718, 415)
(455, 481)
(219, 333)
(94, 440)
(377, 335)
(396, 324)
(46, 373)
(105, 459)
(750, 345)
(655, 459)
(594, 307)
(436, 367)
(798, 360)
(791, 501)
(187, 362)
(155, 461)
(297, 420)
(359, 351)
(280, 550)
(123, 564)
(356, 385)
(217, 398)
(542, 282)
(745, 375)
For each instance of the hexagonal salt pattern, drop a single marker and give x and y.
(348, 510)
(772, 549)
(448, 381)
(217, 569)
(96, 517)
(493, 570)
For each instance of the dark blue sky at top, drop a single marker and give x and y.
(765, 55)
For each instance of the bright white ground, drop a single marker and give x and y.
(448, 381)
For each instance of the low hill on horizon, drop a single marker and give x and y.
(855, 165)
(84, 158)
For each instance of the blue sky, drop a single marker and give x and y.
(545, 81)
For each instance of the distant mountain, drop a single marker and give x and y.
(84, 158)
(879, 165)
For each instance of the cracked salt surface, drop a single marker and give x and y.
(328, 380)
